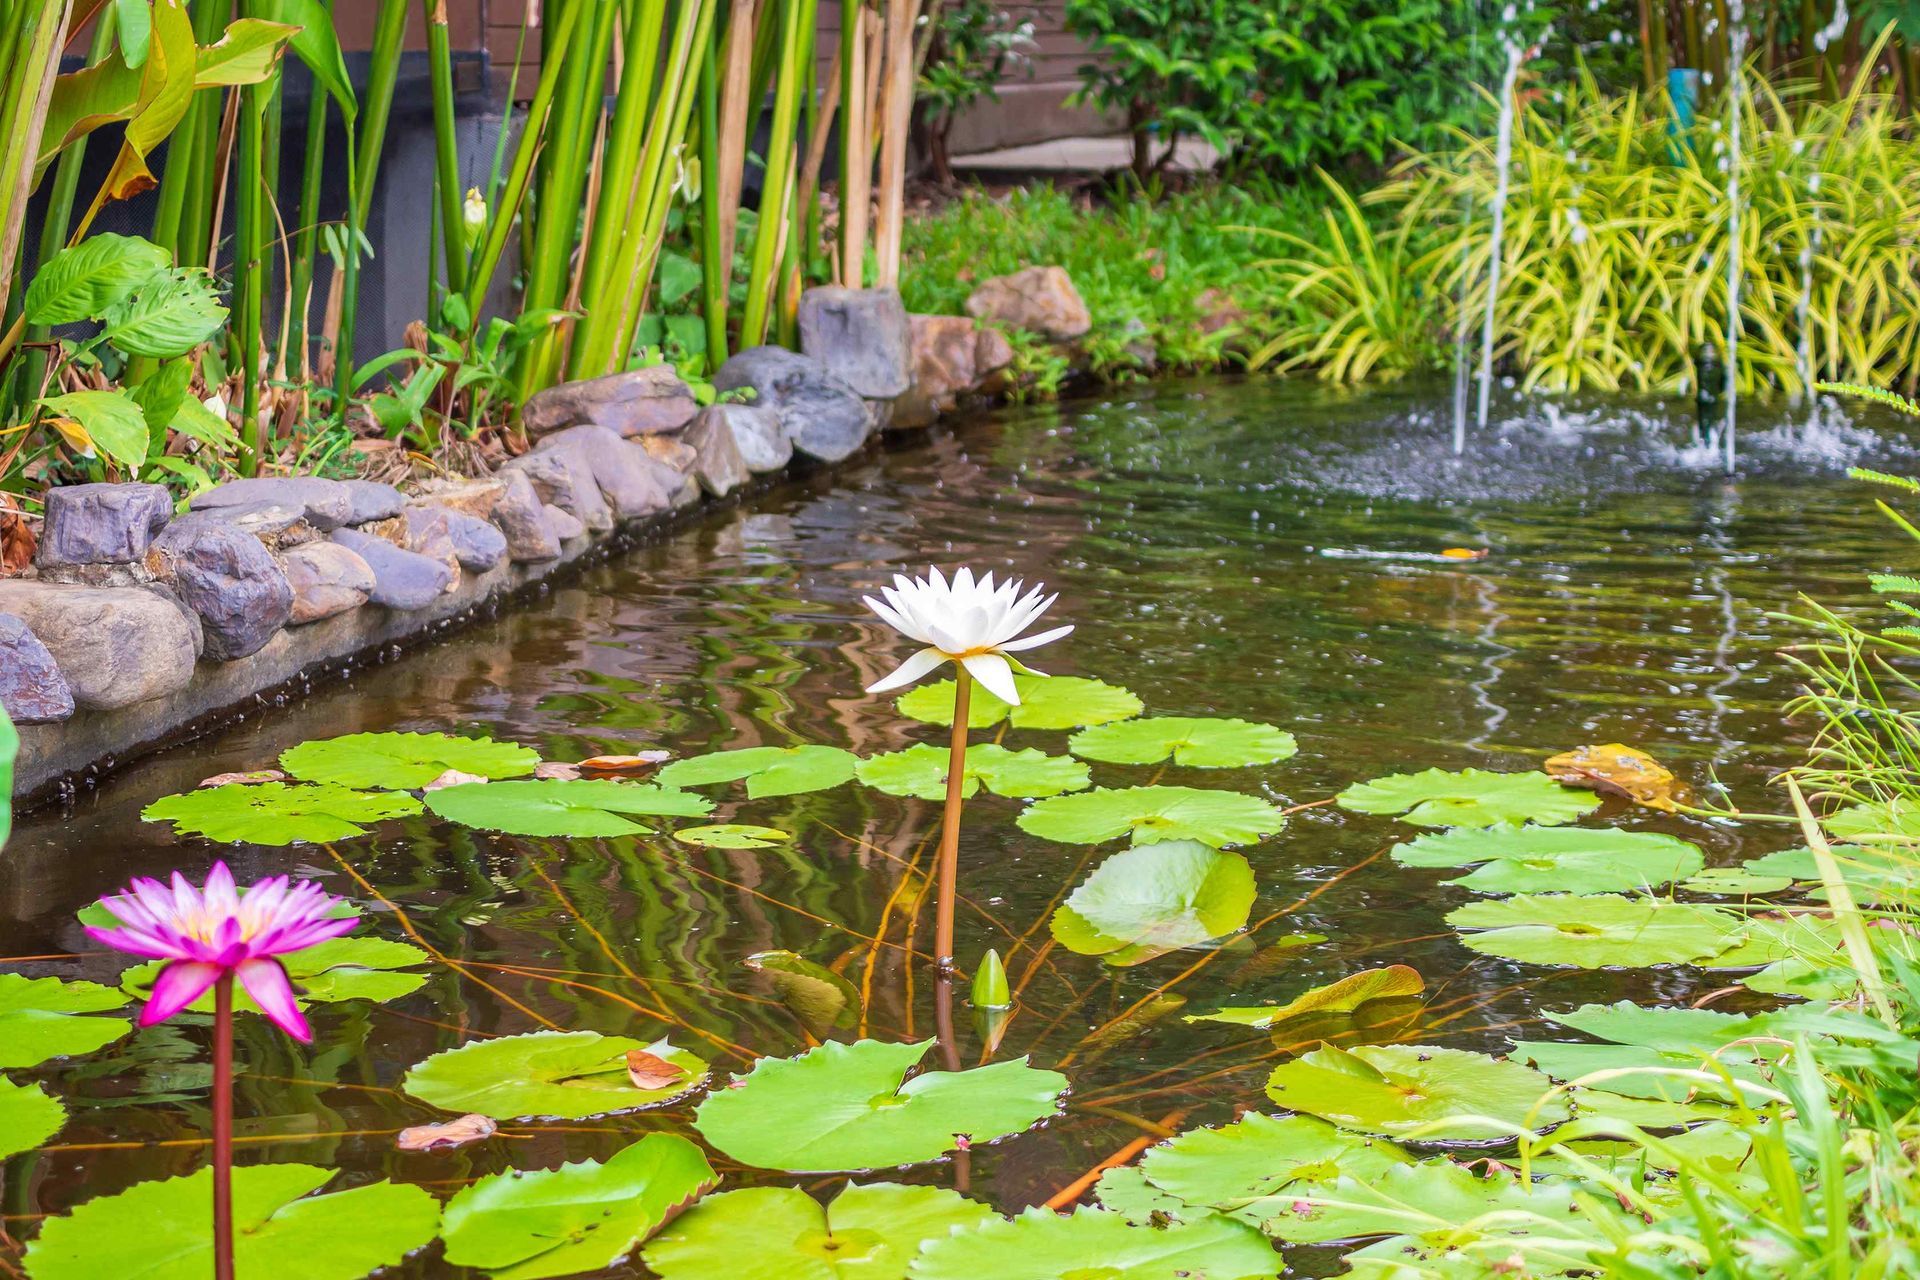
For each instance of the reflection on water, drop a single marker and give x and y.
(1264, 550)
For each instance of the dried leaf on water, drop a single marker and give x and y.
(445, 1137)
(1615, 769)
(639, 762)
(248, 778)
(651, 1071)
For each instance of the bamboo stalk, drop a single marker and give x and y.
(742, 21)
(716, 268)
(856, 147)
(23, 112)
(307, 232)
(897, 100)
(446, 144)
(249, 274)
(776, 189)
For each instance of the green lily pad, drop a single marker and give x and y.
(1097, 1245)
(1125, 1190)
(1897, 818)
(1152, 815)
(1151, 899)
(330, 972)
(163, 1230)
(39, 1019)
(732, 835)
(818, 996)
(1595, 931)
(921, 771)
(769, 771)
(1536, 859)
(1736, 882)
(1344, 996)
(1873, 874)
(1768, 939)
(1441, 1203)
(404, 761)
(780, 1233)
(273, 813)
(845, 1106)
(1700, 1031)
(563, 1075)
(1046, 702)
(580, 807)
(1194, 741)
(579, 1217)
(28, 1117)
(1469, 798)
(1397, 1089)
(1570, 1062)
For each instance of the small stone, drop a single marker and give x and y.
(564, 479)
(823, 416)
(861, 336)
(635, 403)
(633, 484)
(373, 501)
(670, 451)
(276, 524)
(328, 503)
(31, 687)
(1041, 300)
(521, 519)
(477, 544)
(401, 579)
(475, 498)
(944, 349)
(717, 461)
(101, 523)
(763, 443)
(426, 531)
(1219, 311)
(327, 579)
(563, 524)
(115, 646)
(229, 579)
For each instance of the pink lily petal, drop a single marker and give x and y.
(266, 981)
(179, 985)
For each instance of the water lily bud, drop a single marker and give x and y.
(990, 987)
(473, 215)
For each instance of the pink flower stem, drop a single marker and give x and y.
(950, 820)
(223, 1127)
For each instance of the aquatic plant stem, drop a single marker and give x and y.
(949, 860)
(223, 1127)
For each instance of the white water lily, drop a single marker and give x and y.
(969, 621)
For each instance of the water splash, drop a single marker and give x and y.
(1514, 45)
(1803, 309)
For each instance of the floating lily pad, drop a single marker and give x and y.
(274, 813)
(1125, 1190)
(921, 771)
(1444, 1203)
(40, 1019)
(1646, 1073)
(1046, 702)
(732, 835)
(769, 771)
(818, 996)
(1469, 798)
(1595, 931)
(28, 1117)
(330, 972)
(1736, 882)
(1151, 899)
(1760, 940)
(579, 1217)
(1897, 818)
(1194, 741)
(404, 761)
(565, 1075)
(1152, 815)
(1397, 1088)
(164, 1230)
(1873, 874)
(845, 1106)
(1536, 859)
(1700, 1031)
(581, 807)
(1344, 996)
(780, 1233)
(1098, 1245)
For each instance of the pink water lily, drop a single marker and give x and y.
(217, 932)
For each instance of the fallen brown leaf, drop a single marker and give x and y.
(17, 538)
(1615, 769)
(251, 777)
(452, 778)
(636, 763)
(650, 1071)
(564, 770)
(443, 1137)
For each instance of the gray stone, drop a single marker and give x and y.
(563, 479)
(519, 515)
(823, 416)
(635, 403)
(328, 503)
(276, 524)
(97, 575)
(763, 443)
(686, 495)
(669, 451)
(634, 485)
(470, 497)
(327, 578)
(194, 624)
(477, 544)
(31, 687)
(116, 646)
(563, 524)
(425, 531)
(373, 501)
(1041, 300)
(401, 579)
(229, 579)
(861, 335)
(716, 461)
(101, 523)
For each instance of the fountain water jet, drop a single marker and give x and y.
(1513, 43)
(1736, 83)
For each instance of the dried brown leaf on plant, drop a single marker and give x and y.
(18, 541)
(1614, 769)
(446, 1136)
(651, 1071)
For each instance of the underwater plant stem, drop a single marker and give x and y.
(950, 820)
(223, 1127)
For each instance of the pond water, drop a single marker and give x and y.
(1267, 550)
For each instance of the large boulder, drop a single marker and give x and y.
(115, 646)
(101, 523)
(635, 403)
(943, 353)
(758, 434)
(327, 579)
(823, 416)
(716, 455)
(401, 579)
(477, 544)
(228, 578)
(328, 503)
(861, 336)
(633, 483)
(31, 687)
(1041, 300)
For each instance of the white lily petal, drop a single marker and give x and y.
(909, 671)
(1034, 642)
(994, 675)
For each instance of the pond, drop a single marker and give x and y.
(1267, 550)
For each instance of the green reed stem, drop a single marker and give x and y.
(446, 144)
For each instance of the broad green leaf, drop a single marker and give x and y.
(316, 45)
(1896, 818)
(1125, 1190)
(1151, 899)
(1440, 1201)
(331, 972)
(732, 835)
(109, 421)
(38, 1019)
(28, 1117)
(679, 276)
(1344, 996)
(85, 281)
(1193, 741)
(1097, 1245)
(1874, 874)
(169, 315)
(1650, 1070)
(1698, 1031)
(781, 1233)
(404, 761)
(921, 771)
(163, 1230)
(197, 422)
(579, 1217)
(1595, 931)
(1398, 1089)
(134, 29)
(845, 1106)
(246, 54)
(161, 393)
(1153, 814)
(166, 91)
(1469, 798)
(818, 996)
(580, 807)
(1735, 882)
(1760, 940)
(563, 1075)
(1046, 702)
(769, 771)
(1535, 859)
(274, 813)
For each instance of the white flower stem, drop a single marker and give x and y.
(950, 820)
